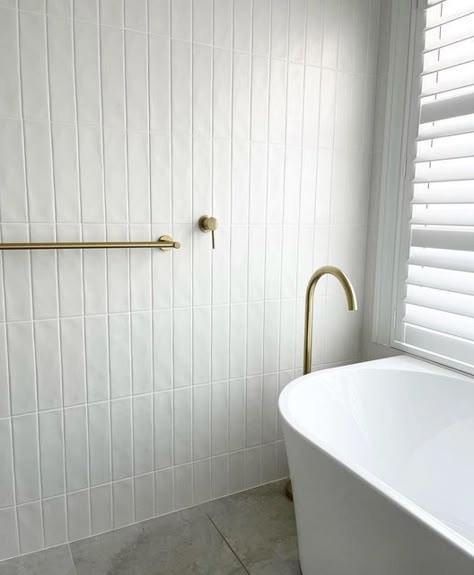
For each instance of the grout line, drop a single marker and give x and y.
(226, 542)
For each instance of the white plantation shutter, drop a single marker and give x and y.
(435, 316)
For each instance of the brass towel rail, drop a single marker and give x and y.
(164, 243)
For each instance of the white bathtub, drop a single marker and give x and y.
(382, 463)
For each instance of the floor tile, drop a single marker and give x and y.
(56, 561)
(260, 527)
(181, 543)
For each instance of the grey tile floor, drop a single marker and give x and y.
(252, 532)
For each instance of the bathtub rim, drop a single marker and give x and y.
(400, 363)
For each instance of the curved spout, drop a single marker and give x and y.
(308, 328)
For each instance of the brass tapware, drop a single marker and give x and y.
(164, 243)
(209, 224)
(308, 324)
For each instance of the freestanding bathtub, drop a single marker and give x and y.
(381, 456)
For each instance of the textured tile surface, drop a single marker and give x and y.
(185, 542)
(56, 561)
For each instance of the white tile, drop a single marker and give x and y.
(253, 419)
(269, 407)
(4, 382)
(22, 367)
(201, 481)
(222, 71)
(163, 425)
(164, 491)
(159, 17)
(33, 66)
(7, 498)
(239, 266)
(297, 17)
(308, 186)
(292, 186)
(240, 182)
(295, 104)
(115, 176)
(223, 24)
(90, 161)
(202, 21)
(221, 267)
(159, 64)
(123, 503)
(271, 336)
(287, 335)
(54, 520)
(101, 508)
(241, 96)
(112, 69)
(99, 443)
(236, 471)
(347, 36)
(13, 192)
(136, 80)
(111, 13)
(144, 497)
(273, 262)
(70, 274)
(182, 268)
(242, 24)
(160, 160)
(219, 476)
(252, 467)
(258, 183)
(97, 360)
(202, 266)
(86, 10)
(61, 72)
(202, 88)
(276, 184)
(26, 463)
(238, 340)
(163, 349)
(237, 410)
(60, 7)
(181, 86)
(278, 93)
(9, 92)
(183, 486)
(86, 51)
(314, 32)
(135, 14)
(78, 515)
(220, 343)
(259, 116)
(279, 33)
(305, 258)
(219, 417)
(331, 32)
(8, 533)
(142, 342)
(312, 88)
(30, 527)
(289, 262)
(66, 178)
(181, 19)
(118, 272)
(182, 179)
(269, 463)
(51, 432)
(221, 180)
(255, 338)
(140, 277)
(202, 345)
(143, 434)
(323, 186)
(43, 264)
(202, 179)
(73, 361)
(256, 281)
(182, 336)
(201, 422)
(122, 449)
(183, 426)
(327, 110)
(261, 27)
(77, 459)
(38, 172)
(120, 356)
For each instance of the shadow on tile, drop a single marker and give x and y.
(260, 527)
(56, 561)
(181, 543)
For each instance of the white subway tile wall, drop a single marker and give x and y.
(135, 383)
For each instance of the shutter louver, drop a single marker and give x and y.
(438, 307)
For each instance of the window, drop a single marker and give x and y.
(434, 283)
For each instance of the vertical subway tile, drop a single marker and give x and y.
(256, 266)
(223, 23)
(160, 166)
(222, 70)
(252, 462)
(122, 448)
(258, 183)
(86, 10)
(159, 17)
(297, 17)
(115, 176)
(269, 407)
(54, 521)
(8, 533)
(239, 263)
(99, 443)
(220, 343)
(240, 182)
(274, 237)
(238, 340)
(135, 14)
(48, 370)
(254, 411)
(73, 360)
(90, 162)
(241, 96)
(294, 113)
(51, 432)
(271, 336)
(219, 476)
(38, 172)
(111, 13)
(136, 80)
(269, 462)
(221, 180)
(236, 471)
(86, 52)
(7, 498)
(75, 432)
(255, 338)
(203, 21)
(70, 273)
(237, 409)
(164, 491)
(144, 497)
(181, 19)
(112, 70)
(163, 429)
(163, 349)
(101, 508)
(182, 335)
(219, 417)
(183, 486)
(159, 88)
(120, 356)
(26, 462)
(279, 32)
(123, 503)
(221, 268)
(9, 92)
(143, 434)
(314, 32)
(202, 191)
(142, 350)
(13, 192)
(202, 266)
(201, 481)
(78, 515)
(182, 425)
(22, 367)
(118, 273)
(181, 86)
(182, 178)
(242, 24)
(61, 72)
(30, 527)
(202, 331)
(259, 114)
(201, 421)
(277, 104)
(66, 178)
(182, 268)
(4, 380)
(261, 27)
